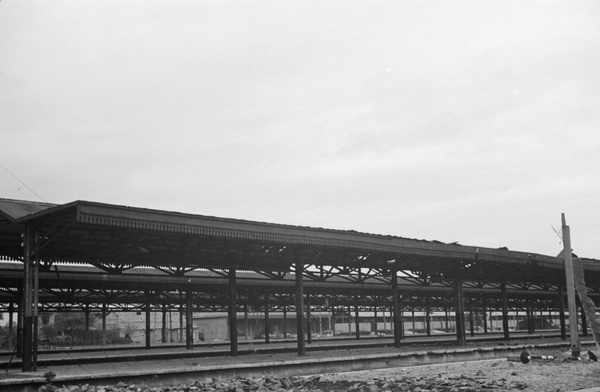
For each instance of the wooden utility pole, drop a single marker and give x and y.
(575, 345)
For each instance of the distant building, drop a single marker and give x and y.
(132, 326)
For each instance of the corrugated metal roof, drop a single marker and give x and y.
(15, 209)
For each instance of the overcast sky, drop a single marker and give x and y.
(469, 121)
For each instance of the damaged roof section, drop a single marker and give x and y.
(11, 210)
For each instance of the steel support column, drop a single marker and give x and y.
(471, 320)
(104, 312)
(356, 321)
(233, 336)
(568, 256)
(246, 328)
(504, 311)
(181, 312)
(459, 310)
(285, 321)
(529, 316)
(308, 320)
(189, 319)
(20, 319)
(87, 324)
(396, 304)
(427, 316)
(485, 324)
(163, 334)
(35, 304)
(300, 308)
(446, 318)
(148, 326)
(267, 332)
(11, 329)
(375, 321)
(349, 310)
(561, 312)
(26, 361)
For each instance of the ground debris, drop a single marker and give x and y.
(474, 376)
(268, 383)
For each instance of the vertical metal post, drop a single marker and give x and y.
(36, 286)
(471, 319)
(181, 311)
(402, 330)
(447, 318)
(530, 316)
(575, 344)
(375, 320)
(396, 303)
(87, 323)
(485, 325)
(164, 324)
(267, 331)
(349, 311)
(300, 308)
(320, 323)
(427, 316)
(11, 329)
(246, 329)
(308, 320)
(148, 326)
(233, 338)
(384, 319)
(20, 321)
(459, 310)
(561, 312)
(104, 312)
(189, 321)
(27, 308)
(504, 311)
(356, 320)
(285, 321)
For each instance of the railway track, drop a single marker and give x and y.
(126, 353)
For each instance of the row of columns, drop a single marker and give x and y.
(426, 321)
(28, 323)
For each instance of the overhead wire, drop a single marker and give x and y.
(25, 185)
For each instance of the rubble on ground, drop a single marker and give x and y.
(438, 383)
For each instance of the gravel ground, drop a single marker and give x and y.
(497, 374)
(472, 376)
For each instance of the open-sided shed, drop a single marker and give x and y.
(292, 263)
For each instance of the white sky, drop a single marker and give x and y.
(470, 121)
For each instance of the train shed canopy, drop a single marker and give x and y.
(118, 238)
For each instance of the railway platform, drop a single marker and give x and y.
(172, 364)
